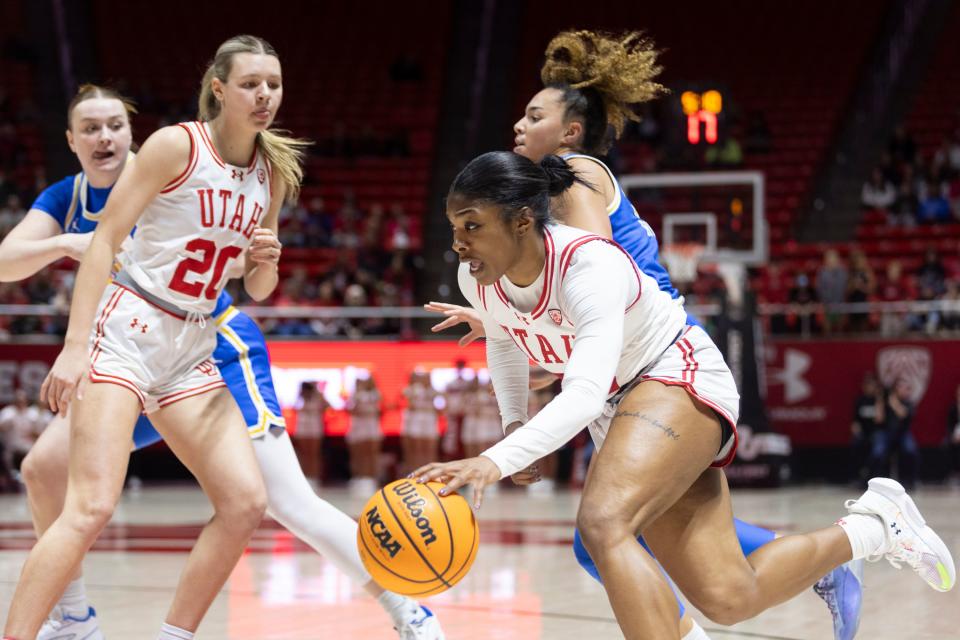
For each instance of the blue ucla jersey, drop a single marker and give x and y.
(632, 233)
(241, 351)
(73, 203)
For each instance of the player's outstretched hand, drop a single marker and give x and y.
(478, 472)
(265, 247)
(455, 315)
(65, 378)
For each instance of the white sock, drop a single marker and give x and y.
(400, 608)
(866, 533)
(74, 599)
(697, 633)
(170, 632)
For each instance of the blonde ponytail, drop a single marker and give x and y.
(285, 155)
(284, 152)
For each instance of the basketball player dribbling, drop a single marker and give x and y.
(99, 131)
(592, 82)
(661, 405)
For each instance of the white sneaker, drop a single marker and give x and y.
(62, 626)
(424, 627)
(908, 538)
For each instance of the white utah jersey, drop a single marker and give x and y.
(546, 334)
(592, 316)
(201, 221)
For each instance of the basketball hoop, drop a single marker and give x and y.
(682, 259)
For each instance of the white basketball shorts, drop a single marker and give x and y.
(159, 356)
(695, 363)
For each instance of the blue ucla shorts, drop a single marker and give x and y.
(241, 355)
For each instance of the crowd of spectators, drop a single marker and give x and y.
(369, 250)
(912, 189)
(854, 280)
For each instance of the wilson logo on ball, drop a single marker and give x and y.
(414, 504)
(382, 534)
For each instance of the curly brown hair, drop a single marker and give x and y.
(603, 77)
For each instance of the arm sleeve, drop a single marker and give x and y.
(509, 367)
(595, 293)
(55, 200)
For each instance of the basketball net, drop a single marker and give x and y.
(681, 260)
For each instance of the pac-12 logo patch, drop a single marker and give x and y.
(555, 315)
(261, 175)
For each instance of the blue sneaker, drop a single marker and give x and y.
(424, 627)
(63, 626)
(842, 590)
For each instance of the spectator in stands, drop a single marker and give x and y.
(726, 153)
(896, 437)
(931, 273)
(292, 234)
(11, 213)
(895, 285)
(832, 287)
(952, 436)
(373, 229)
(934, 208)
(802, 318)
(867, 411)
(398, 235)
(904, 210)
(952, 194)
(773, 288)
(949, 152)
(950, 318)
(293, 293)
(21, 423)
(292, 222)
(902, 147)
(860, 288)
(355, 295)
(878, 193)
(319, 224)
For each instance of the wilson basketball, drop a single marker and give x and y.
(415, 542)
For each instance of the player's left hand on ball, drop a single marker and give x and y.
(478, 472)
(265, 247)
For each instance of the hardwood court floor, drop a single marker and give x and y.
(525, 584)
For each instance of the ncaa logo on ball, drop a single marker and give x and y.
(382, 533)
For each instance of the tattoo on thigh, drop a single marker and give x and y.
(653, 422)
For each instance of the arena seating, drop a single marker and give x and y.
(802, 97)
(336, 75)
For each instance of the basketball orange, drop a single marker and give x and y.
(415, 542)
